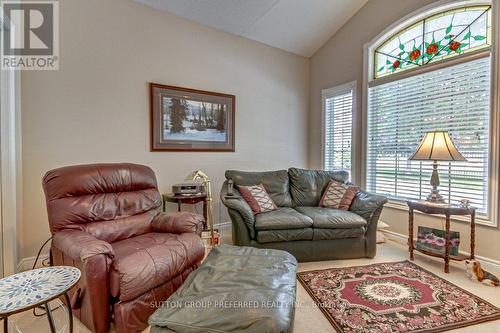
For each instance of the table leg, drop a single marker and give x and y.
(410, 234)
(178, 206)
(472, 234)
(5, 325)
(205, 214)
(70, 312)
(447, 245)
(50, 318)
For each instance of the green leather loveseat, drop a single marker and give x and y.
(299, 226)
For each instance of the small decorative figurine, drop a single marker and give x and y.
(230, 186)
(464, 203)
(476, 272)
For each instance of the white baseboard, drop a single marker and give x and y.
(397, 237)
(223, 225)
(488, 263)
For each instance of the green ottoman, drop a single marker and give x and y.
(236, 289)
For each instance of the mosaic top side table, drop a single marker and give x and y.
(26, 290)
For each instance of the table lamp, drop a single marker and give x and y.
(201, 176)
(436, 146)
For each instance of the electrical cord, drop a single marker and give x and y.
(45, 263)
(40, 251)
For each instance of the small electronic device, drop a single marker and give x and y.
(230, 187)
(188, 188)
(230, 190)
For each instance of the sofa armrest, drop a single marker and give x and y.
(91, 296)
(368, 206)
(238, 204)
(80, 245)
(178, 223)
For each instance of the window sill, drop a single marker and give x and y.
(480, 219)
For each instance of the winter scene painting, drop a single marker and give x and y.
(191, 120)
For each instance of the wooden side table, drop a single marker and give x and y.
(188, 200)
(447, 211)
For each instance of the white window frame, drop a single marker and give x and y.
(10, 167)
(329, 93)
(491, 218)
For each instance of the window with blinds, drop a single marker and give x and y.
(455, 99)
(337, 138)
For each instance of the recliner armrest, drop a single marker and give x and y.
(368, 206)
(80, 245)
(178, 223)
(239, 204)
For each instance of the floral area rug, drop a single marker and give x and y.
(393, 297)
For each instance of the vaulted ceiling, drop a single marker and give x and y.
(297, 26)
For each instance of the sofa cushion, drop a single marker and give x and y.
(338, 195)
(282, 218)
(329, 234)
(328, 218)
(257, 198)
(307, 186)
(144, 262)
(271, 236)
(275, 182)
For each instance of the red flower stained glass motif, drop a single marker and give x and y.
(454, 46)
(415, 55)
(443, 35)
(432, 48)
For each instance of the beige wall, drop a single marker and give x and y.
(95, 108)
(339, 61)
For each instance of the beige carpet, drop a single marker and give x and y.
(309, 319)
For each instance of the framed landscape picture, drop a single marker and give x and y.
(185, 119)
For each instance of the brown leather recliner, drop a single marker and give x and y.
(105, 219)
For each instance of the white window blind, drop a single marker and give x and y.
(456, 99)
(338, 112)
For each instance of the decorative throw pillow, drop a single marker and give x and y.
(338, 195)
(257, 198)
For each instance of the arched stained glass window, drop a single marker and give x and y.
(435, 38)
(435, 71)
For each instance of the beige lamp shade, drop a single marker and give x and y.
(437, 146)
